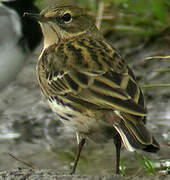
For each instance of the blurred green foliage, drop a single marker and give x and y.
(142, 17)
(146, 163)
(39, 3)
(122, 167)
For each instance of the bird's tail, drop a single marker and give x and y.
(134, 134)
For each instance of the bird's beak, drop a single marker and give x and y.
(37, 17)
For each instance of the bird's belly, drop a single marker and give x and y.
(85, 125)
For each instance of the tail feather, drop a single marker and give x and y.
(154, 147)
(137, 127)
(135, 135)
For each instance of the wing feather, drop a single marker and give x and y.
(111, 85)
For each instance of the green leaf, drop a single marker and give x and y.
(146, 163)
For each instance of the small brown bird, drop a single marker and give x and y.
(88, 84)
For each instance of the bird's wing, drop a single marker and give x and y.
(93, 74)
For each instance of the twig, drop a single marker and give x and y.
(157, 57)
(162, 70)
(100, 14)
(21, 161)
(156, 86)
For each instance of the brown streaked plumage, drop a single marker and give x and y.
(88, 84)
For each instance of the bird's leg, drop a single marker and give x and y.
(80, 147)
(117, 142)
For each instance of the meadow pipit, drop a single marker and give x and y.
(88, 84)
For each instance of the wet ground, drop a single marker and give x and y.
(31, 132)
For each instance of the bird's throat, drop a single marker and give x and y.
(50, 35)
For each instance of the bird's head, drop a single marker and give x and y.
(64, 23)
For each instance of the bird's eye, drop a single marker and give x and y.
(66, 17)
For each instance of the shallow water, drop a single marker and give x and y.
(31, 132)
